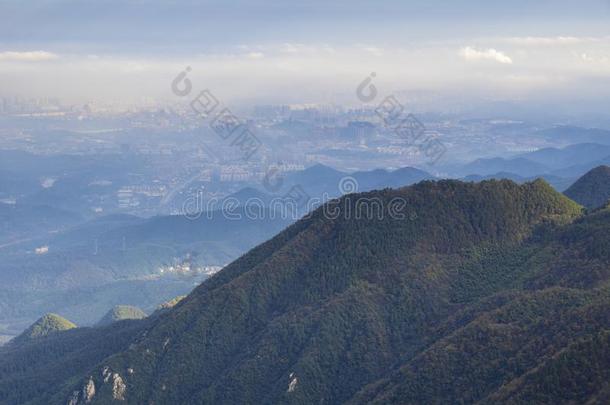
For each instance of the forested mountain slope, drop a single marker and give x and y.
(593, 189)
(487, 292)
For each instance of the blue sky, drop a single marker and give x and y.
(154, 26)
(318, 50)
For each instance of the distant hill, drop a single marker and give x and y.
(593, 189)
(499, 288)
(20, 221)
(247, 195)
(120, 247)
(48, 324)
(380, 179)
(320, 183)
(73, 188)
(87, 232)
(320, 180)
(497, 176)
(558, 183)
(120, 313)
(576, 171)
(572, 155)
(569, 162)
(225, 234)
(520, 166)
(315, 180)
(572, 134)
(126, 259)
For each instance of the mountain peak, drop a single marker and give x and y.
(48, 324)
(120, 313)
(320, 169)
(593, 189)
(341, 306)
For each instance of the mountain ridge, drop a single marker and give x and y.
(339, 309)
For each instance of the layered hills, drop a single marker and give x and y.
(444, 292)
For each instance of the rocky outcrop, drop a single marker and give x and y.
(118, 387)
(110, 379)
(293, 383)
(89, 391)
(85, 395)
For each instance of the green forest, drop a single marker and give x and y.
(488, 293)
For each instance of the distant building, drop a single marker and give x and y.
(42, 250)
(149, 191)
(358, 130)
(272, 111)
(287, 167)
(205, 175)
(126, 198)
(234, 173)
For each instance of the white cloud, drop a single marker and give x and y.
(134, 67)
(28, 56)
(316, 70)
(373, 50)
(255, 55)
(550, 41)
(585, 57)
(290, 48)
(472, 54)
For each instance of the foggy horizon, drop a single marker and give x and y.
(552, 55)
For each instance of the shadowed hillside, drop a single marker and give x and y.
(593, 189)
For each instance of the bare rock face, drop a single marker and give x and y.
(89, 391)
(85, 395)
(118, 387)
(110, 379)
(293, 383)
(106, 374)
